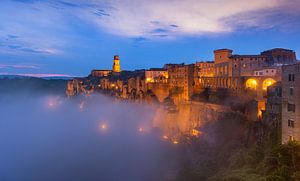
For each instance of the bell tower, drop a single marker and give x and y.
(116, 65)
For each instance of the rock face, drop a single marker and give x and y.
(187, 118)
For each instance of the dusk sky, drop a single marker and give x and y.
(71, 37)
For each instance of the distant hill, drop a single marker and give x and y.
(19, 84)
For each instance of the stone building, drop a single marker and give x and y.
(244, 65)
(273, 113)
(181, 80)
(156, 75)
(280, 56)
(291, 102)
(232, 71)
(205, 69)
(100, 73)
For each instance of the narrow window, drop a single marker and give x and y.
(291, 123)
(291, 91)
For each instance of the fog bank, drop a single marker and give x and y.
(49, 137)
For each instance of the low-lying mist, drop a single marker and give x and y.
(50, 137)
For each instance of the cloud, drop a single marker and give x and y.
(44, 27)
(33, 29)
(189, 17)
(164, 18)
(18, 66)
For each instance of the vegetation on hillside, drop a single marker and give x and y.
(232, 149)
(28, 85)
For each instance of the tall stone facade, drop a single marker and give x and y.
(181, 80)
(291, 102)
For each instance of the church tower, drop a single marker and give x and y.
(116, 65)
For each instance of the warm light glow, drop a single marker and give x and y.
(259, 114)
(261, 107)
(195, 132)
(53, 102)
(251, 84)
(268, 82)
(149, 79)
(103, 126)
(165, 137)
(175, 142)
(141, 129)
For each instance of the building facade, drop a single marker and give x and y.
(205, 69)
(291, 102)
(181, 80)
(156, 75)
(100, 73)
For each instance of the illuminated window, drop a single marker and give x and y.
(251, 84)
(292, 138)
(268, 82)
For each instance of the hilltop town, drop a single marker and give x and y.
(268, 84)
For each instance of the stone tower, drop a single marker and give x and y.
(116, 65)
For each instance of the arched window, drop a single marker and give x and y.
(251, 84)
(268, 82)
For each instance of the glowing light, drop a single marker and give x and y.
(175, 142)
(259, 113)
(53, 102)
(165, 137)
(196, 132)
(268, 82)
(251, 84)
(103, 126)
(149, 79)
(141, 129)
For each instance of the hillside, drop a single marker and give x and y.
(27, 85)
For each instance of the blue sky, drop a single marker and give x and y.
(74, 36)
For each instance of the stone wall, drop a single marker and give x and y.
(187, 117)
